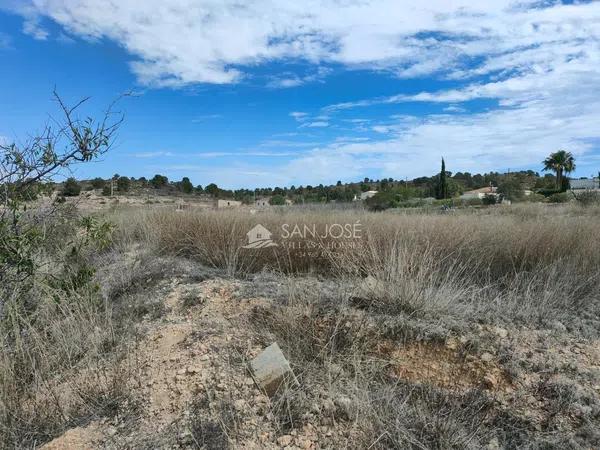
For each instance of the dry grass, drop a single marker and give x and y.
(524, 263)
(60, 367)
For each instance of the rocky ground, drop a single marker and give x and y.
(194, 361)
(193, 389)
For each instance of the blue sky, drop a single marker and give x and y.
(284, 92)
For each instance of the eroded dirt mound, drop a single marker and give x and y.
(80, 438)
(444, 366)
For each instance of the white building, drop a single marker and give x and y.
(480, 193)
(262, 202)
(584, 183)
(368, 194)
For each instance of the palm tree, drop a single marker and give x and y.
(560, 162)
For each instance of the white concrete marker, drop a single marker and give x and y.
(271, 369)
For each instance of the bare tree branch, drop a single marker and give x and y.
(72, 140)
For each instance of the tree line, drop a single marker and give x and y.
(444, 185)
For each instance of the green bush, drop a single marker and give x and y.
(106, 190)
(534, 198)
(382, 201)
(548, 192)
(186, 186)
(159, 181)
(559, 197)
(511, 189)
(473, 202)
(489, 199)
(71, 188)
(123, 184)
(98, 183)
(277, 200)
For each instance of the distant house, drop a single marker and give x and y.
(584, 183)
(221, 204)
(262, 202)
(480, 193)
(367, 195)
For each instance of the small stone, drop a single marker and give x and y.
(493, 444)
(239, 405)
(181, 371)
(285, 440)
(451, 344)
(305, 444)
(260, 399)
(487, 357)
(490, 381)
(500, 332)
(204, 358)
(264, 437)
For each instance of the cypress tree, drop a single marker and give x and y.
(442, 191)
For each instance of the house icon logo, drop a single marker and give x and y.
(259, 237)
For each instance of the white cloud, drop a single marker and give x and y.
(287, 143)
(455, 109)
(289, 80)
(383, 129)
(33, 28)
(298, 115)
(244, 153)
(152, 154)
(205, 117)
(316, 124)
(189, 41)
(5, 41)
